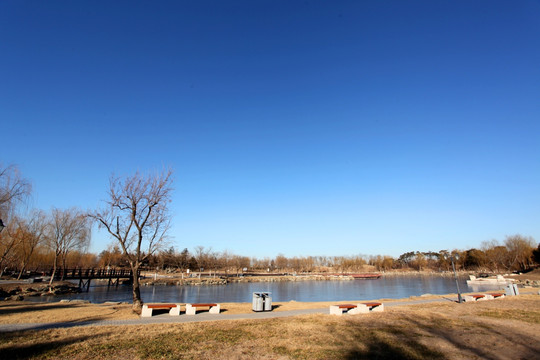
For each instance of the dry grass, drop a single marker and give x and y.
(25, 312)
(498, 329)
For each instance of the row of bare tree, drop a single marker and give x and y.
(136, 216)
(225, 261)
(516, 253)
(34, 234)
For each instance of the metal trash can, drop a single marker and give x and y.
(267, 302)
(511, 290)
(262, 301)
(258, 302)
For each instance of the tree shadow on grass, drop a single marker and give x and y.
(18, 308)
(522, 344)
(87, 321)
(412, 337)
(388, 344)
(35, 349)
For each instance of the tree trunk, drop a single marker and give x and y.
(63, 267)
(55, 264)
(21, 272)
(24, 262)
(137, 301)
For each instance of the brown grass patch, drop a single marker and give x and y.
(529, 316)
(12, 312)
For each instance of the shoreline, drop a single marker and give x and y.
(150, 279)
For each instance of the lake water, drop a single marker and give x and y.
(391, 287)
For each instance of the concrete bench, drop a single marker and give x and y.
(191, 309)
(174, 309)
(356, 308)
(477, 297)
(340, 309)
(371, 306)
(497, 295)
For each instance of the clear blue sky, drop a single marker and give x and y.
(294, 127)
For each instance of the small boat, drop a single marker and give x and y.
(366, 276)
(358, 276)
(489, 280)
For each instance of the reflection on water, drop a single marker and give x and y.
(391, 287)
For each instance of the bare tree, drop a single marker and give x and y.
(182, 260)
(496, 254)
(14, 189)
(69, 230)
(112, 257)
(30, 233)
(7, 244)
(282, 262)
(137, 216)
(520, 250)
(536, 255)
(203, 257)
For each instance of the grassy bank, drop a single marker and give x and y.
(499, 329)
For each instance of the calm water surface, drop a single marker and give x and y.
(392, 287)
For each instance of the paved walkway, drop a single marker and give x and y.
(167, 319)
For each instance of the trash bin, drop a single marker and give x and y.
(267, 302)
(262, 301)
(258, 302)
(511, 290)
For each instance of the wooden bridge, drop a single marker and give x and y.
(86, 275)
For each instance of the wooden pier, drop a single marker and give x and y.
(85, 276)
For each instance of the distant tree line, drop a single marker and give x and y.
(520, 256)
(515, 253)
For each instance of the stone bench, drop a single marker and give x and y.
(371, 306)
(191, 309)
(356, 308)
(174, 309)
(340, 309)
(477, 297)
